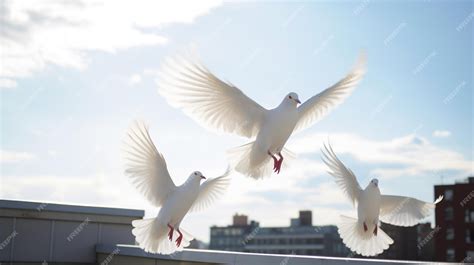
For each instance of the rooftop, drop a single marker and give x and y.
(225, 257)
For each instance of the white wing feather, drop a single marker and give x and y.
(215, 103)
(404, 211)
(146, 166)
(344, 177)
(315, 108)
(210, 190)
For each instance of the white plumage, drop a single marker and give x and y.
(363, 235)
(148, 171)
(212, 102)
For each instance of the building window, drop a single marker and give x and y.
(469, 236)
(450, 254)
(448, 213)
(469, 216)
(448, 195)
(450, 233)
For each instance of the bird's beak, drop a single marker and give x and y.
(203, 177)
(298, 101)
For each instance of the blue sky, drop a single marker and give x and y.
(73, 79)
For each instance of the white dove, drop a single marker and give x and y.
(363, 235)
(148, 171)
(190, 86)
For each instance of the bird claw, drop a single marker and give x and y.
(170, 233)
(276, 162)
(179, 239)
(375, 230)
(277, 166)
(365, 227)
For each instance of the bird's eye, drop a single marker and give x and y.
(195, 174)
(289, 97)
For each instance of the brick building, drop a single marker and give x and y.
(455, 217)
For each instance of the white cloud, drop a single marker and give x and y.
(441, 134)
(7, 83)
(61, 32)
(13, 156)
(412, 155)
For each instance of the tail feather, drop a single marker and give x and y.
(362, 242)
(152, 236)
(250, 161)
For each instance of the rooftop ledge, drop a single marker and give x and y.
(238, 258)
(81, 209)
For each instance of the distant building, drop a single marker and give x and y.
(426, 242)
(306, 218)
(235, 236)
(240, 220)
(405, 242)
(410, 243)
(455, 218)
(301, 238)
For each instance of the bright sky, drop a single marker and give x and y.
(75, 75)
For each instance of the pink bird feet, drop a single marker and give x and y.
(276, 162)
(179, 239)
(170, 235)
(375, 229)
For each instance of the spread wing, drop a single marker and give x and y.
(344, 177)
(315, 108)
(190, 86)
(404, 211)
(210, 190)
(146, 166)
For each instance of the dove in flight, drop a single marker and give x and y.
(188, 85)
(148, 171)
(363, 235)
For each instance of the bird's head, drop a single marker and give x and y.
(374, 182)
(292, 98)
(197, 175)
